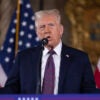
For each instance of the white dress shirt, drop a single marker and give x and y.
(57, 60)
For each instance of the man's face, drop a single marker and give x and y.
(48, 27)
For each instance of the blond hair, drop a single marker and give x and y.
(42, 13)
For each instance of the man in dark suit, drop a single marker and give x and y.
(72, 72)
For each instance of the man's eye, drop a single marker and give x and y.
(41, 27)
(51, 24)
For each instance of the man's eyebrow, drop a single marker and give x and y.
(42, 25)
(51, 24)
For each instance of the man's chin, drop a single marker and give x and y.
(49, 45)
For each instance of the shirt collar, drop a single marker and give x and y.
(57, 49)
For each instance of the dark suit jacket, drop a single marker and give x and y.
(76, 74)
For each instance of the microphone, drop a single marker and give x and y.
(44, 41)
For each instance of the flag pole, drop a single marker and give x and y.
(17, 26)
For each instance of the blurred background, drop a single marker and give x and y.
(81, 20)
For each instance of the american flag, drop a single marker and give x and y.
(27, 36)
(97, 74)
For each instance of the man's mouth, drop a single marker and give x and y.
(49, 38)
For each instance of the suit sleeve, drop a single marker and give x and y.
(12, 85)
(88, 85)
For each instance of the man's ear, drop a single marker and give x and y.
(62, 30)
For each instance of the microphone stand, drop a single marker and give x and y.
(38, 86)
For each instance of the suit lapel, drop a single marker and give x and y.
(64, 66)
(34, 65)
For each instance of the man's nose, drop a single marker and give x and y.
(47, 30)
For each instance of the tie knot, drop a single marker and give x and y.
(51, 52)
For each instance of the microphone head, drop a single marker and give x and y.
(44, 41)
